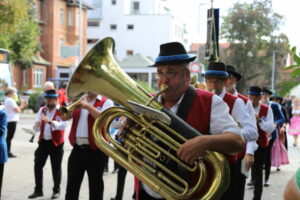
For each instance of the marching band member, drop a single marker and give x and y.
(215, 79)
(85, 155)
(247, 154)
(51, 142)
(265, 125)
(205, 111)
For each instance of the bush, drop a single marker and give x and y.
(32, 101)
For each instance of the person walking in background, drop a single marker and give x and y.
(3, 148)
(12, 111)
(48, 85)
(62, 96)
(279, 155)
(294, 128)
(51, 142)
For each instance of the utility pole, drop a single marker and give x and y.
(273, 70)
(80, 30)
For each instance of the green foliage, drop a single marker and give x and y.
(250, 30)
(32, 101)
(296, 67)
(285, 87)
(19, 31)
(145, 86)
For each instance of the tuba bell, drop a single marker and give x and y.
(149, 149)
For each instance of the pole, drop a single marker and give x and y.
(273, 71)
(80, 29)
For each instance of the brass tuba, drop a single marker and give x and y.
(149, 149)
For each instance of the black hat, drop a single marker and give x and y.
(266, 90)
(255, 90)
(276, 96)
(172, 53)
(231, 70)
(51, 94)
(216, 69)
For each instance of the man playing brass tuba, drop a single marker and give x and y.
(202, 110)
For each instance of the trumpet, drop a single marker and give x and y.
(66, 110)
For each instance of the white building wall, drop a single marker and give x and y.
(149, 30)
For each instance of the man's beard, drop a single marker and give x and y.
(172, 93)
(51, 106)
(213, 90)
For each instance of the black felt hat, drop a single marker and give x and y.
(255, 90)
(276, 96)
(266, 90)
(51, 94)
(231, 70)
(216, 69)
(172, 53)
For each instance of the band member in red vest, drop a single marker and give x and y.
(201, 109)
(215, 78)
(85, 155)
(247, 155)
(265, 125)
(51, 142)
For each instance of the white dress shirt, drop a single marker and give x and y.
(57, 122)
(220, 122)
(267, 124)
(240, 115)
(82, 127)
(251, 145)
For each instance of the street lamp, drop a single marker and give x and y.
(273, 70)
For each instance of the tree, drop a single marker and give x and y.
(250, 30)
(19, 31)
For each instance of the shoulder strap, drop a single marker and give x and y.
(186, 103)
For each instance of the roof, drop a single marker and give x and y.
(39, 60)
(85, 5)
(136, 61)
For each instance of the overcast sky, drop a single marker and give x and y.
(188, 10)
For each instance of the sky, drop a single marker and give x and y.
(188, 10)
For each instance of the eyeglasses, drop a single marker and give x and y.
(168, 75)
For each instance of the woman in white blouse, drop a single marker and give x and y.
(12, 111)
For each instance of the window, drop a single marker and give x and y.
(70, 18)
(113, 2)
(25, 78)
(136, 6)
(62, 16)
(38, 78)
(94, 23)
(130, 26)
(61, 44)
(113, 27)
(92, 41)
(129, 52)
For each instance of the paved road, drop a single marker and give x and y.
(18, 181)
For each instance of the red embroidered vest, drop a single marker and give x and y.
(262, 135)
(91, 120)
(245, 99)
(58, 135)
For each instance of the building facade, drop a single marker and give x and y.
(59, 22)
(138, 26)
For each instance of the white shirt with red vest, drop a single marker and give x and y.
(59, 125)
(240, 115)
(82, 127)
(267, 124)
(220, 122)
(251, 145)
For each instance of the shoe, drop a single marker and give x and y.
(112, 199)
(278, 169)
(250, 183)
(55, 195)
(35, 195)
(267, 184)
(10, 155)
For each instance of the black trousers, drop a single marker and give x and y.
(230, 193)
(268, 159)
(11, 129)
(1, 176)
(47, 148)
(240, 182)
(83, 158)
(257, 172)
(121, 181)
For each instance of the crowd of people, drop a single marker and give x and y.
(252, 130)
